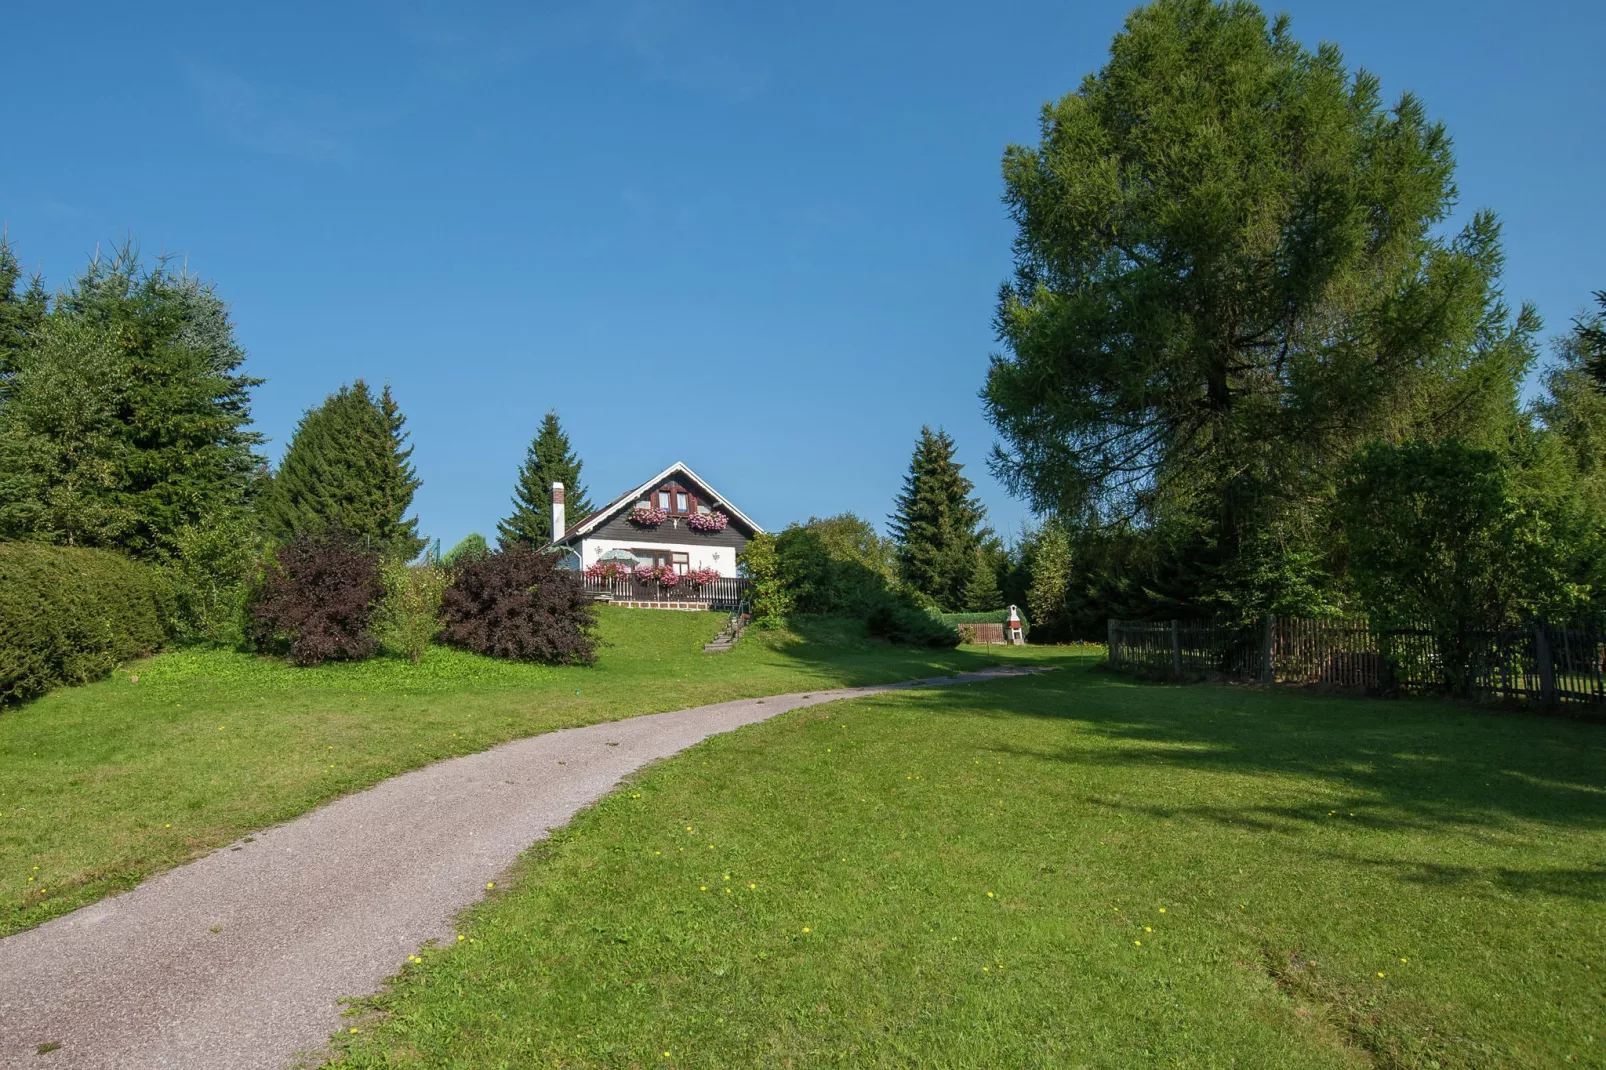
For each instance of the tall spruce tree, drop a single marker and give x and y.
(549, 460)
(981, 588)
(177, 448)
(22, 312)
(1589, 337)
(936, 525)
(60, 448)
(348, 467)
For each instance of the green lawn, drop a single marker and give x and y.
(1067, 870)
(102, 785)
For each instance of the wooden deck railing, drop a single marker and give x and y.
(725, 591)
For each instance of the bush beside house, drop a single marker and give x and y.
(517, 603)
(69, 615)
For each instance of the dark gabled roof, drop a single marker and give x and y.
(602, 515)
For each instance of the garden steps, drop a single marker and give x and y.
(727, 638)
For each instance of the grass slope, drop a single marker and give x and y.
(1067, 870)
(102, 785)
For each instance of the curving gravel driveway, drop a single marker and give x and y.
(237, 960)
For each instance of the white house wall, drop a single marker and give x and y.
(721, 559)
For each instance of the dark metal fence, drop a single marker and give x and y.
(1542, 661)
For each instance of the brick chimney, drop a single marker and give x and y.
(558, 526)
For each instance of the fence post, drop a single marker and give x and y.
(1114, 644)
(1176, 648)
(1543, 662)
(1268, 644)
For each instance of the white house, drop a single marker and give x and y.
(675, 518)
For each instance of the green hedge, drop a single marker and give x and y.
(991, 616)
(68, 615)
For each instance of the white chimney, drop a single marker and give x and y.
(558, 526)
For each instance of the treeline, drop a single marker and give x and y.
(125, 427)
(940, 556)
(1246, 370)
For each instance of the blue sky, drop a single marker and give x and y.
(764, 239)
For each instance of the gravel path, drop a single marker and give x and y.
(237, 960)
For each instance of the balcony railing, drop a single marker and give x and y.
(727, 591)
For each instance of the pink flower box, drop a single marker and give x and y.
(711, 521)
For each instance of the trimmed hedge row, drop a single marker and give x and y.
(70, 615)
(991, 616)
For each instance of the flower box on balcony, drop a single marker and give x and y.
(708, 522)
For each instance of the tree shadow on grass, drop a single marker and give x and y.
(841, 649)
(1397, 764)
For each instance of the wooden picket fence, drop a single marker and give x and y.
(1543, 662)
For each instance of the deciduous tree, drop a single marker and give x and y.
(1438, 534)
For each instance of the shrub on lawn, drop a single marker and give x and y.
(210, 576)
(899, 620)
(316, 599)
(410, 616)
(517, 603)
(70, 615)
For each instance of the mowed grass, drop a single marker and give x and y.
(103, 785)
(1067, 870)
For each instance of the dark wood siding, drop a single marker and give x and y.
(617, 527)
(623, 530)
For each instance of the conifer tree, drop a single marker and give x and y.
(59, 441)
(936, 523)
(1232, 270)
(549, 460)
(177, 448)
(1589, 338)
(22, 312)
(981, 589)
(348, 467)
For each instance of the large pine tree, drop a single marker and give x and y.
(549, 460)
(22, 312)
(60, 454)
(152, 437)
(937, 523)
(348, 467)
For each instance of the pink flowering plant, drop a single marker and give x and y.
(647, 516)
(709, 521)
(699, 576)
(662, 575)
(607, 570)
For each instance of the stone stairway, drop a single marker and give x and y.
(727, 638)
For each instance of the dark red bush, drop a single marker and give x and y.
(517, 603)
(316, 600)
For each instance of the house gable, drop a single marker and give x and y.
(611, 521)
